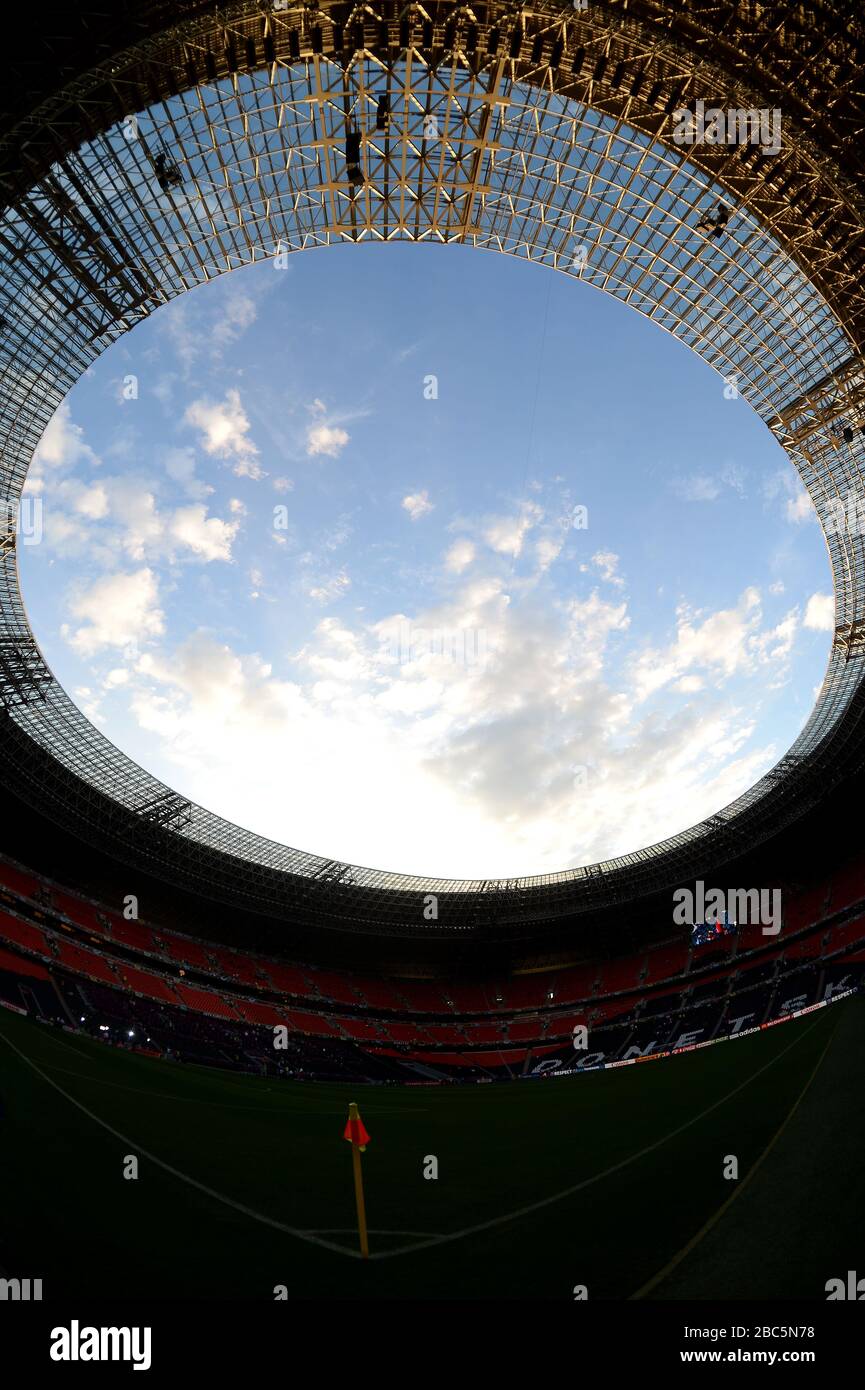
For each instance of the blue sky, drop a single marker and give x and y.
(325, 575)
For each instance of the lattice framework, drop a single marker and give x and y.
(527, 130)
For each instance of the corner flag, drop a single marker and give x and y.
(357, 1136)
(354, 1130)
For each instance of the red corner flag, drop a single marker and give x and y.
(358, 1138)
(354, 1129)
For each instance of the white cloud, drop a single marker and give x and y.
(786, 484)
(225, 427)
(417, 504)
(459, 556)
(329, 440)
(592, 623)
(773, 647)
(180, 467)
(337, 534)
(62, 442)
(491, 742)
(707, 487)
(131, 525)
(820, 613)
(697, 487)
(403, 354)
(238, 313)
(607, 564)
(207, 537)
(133, 506)
(225, 689)
(92, 502)
(506, 534)
(115, 611)
(205, 327)
(330, 589)
(725, 643)
(800, 508)
(548, 548)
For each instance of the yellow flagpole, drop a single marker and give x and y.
(358, 1187)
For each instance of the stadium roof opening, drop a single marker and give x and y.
(209, 161)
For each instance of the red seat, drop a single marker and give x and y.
(618, 976)
(380, 995)
(525, 1031)
(19, 965)
(506, 1057)
(564, 1027)
(668, 962)
(78, 910)
(133, 934)
(423, 996)
(253, 1012)
(243, 968)
(359, 1028)
(85, 962)
(205, 1000)
(24, 884)
(523, 992)
(847, 935)
(186, 951)
(312, 1023)
(143, 982)
(407, 1032)
(805, 909)
(445, 1033)
(22, 934)
(484, 1032)
(806, 949)
(848, 887)
(334, 987)
(467, 999)
(574, 984)
(445, 1059)
(288, 979)
(751, 937)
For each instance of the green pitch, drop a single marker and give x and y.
(603, 1180)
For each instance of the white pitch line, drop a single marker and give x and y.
(222, 1104)
(428, 1241)
(165, 1095)
(597, 1177)
(352, 1231)
(176, 1172)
